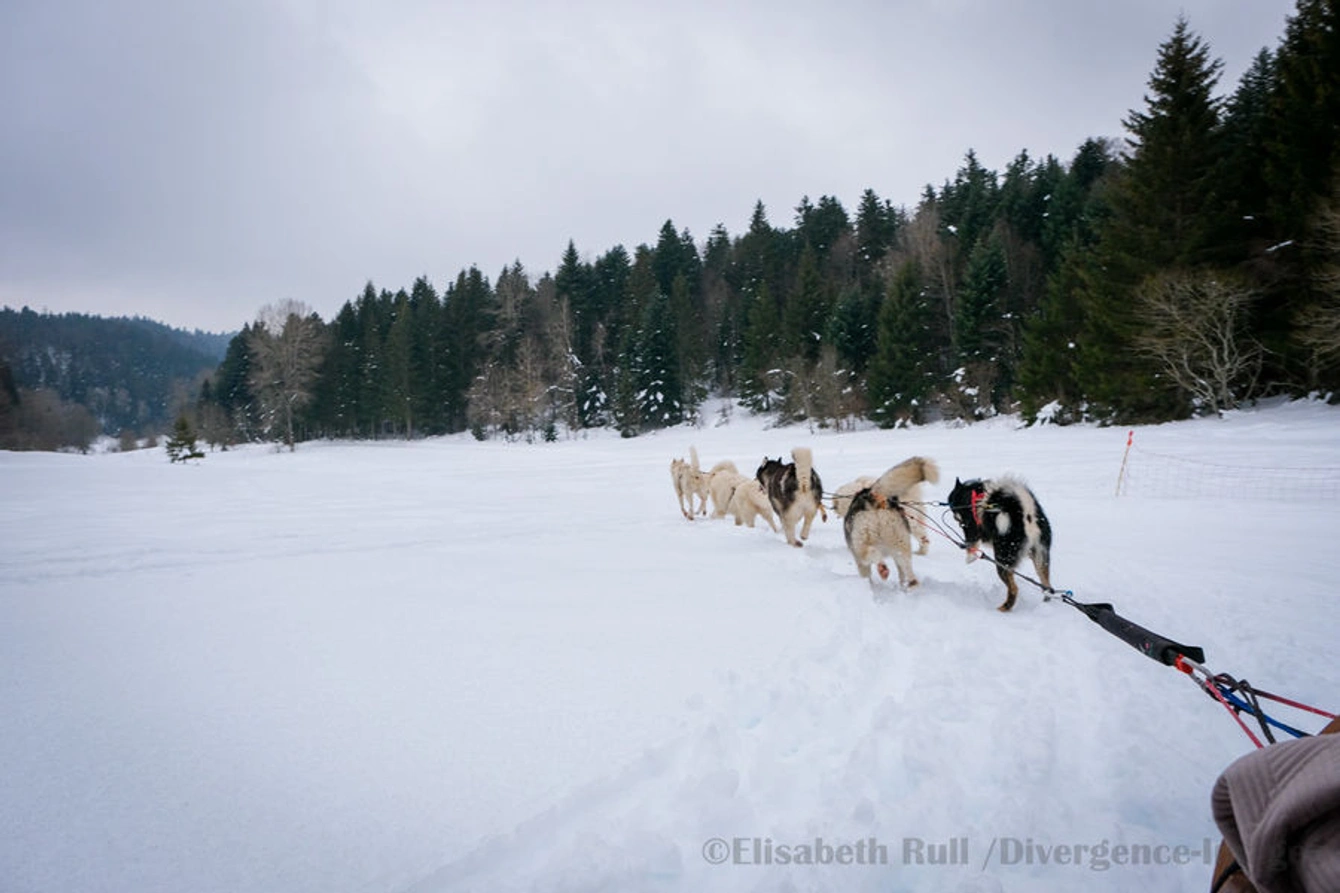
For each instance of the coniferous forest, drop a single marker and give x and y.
(1190, 268)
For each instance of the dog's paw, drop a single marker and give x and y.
(913, 583)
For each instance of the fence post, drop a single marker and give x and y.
(1121, 475)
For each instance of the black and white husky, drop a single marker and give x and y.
(795, 492)
(1007, 516)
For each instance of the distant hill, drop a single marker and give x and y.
(124, 370)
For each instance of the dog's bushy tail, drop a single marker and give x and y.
(907, 474)
(804, 459)
(693, 454)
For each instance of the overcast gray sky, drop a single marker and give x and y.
(192, 162)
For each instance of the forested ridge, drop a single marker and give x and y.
(65, 378)
(1189, 268)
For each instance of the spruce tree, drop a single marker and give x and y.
(805, 315)
(899, 376)
(761, 343)
(1302, 164)
(1046, 375)
(400, 378)
(660, 386)
(876, 229)
(1163, 213)
(968, 206)
(980, 323)
(853, 329)
(1304, 132)
(181, 445)
(468, 314)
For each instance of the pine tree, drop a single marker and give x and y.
(1046, 376)
(1163, 215)
(181, 445)
(876, 229)
(660, 387)
(575, 282)
(468, 315)
(373, 315)
(820, 226)
(1304, 133)
(1075, 208)
(1302, 162)
(1050, 336)
(426, 372)
(805, 315)
(400, 376)
(899, 379)
(335, 400)
(968, 205)
(853, 329)
(981, 305)
(1240, 180)
(761, 340)
(232, 387)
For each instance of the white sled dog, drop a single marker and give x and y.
(748, 501)
(794, 491)
(876, 527)
(721, 482)
(842, 496)
(903, 482)
(689, 482)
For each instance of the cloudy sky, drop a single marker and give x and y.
(192, 162)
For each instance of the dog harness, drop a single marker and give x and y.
(976, 503)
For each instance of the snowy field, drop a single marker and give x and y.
(447, 665)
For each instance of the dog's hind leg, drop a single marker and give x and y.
(918, 530)
(903, 561)
(809, 522)
(1042, 564)
(863, 558)
(1007, 576)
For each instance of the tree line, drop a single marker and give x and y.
(1188, 269)
(67, 378)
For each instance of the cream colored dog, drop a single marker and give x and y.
(903, 483)
(876, 528)
(682, 476)
(690, 481)
(719, 483)
(744, 499)
(842, 497)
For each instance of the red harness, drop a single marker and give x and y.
(976, 501)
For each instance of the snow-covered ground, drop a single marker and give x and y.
(447, 665)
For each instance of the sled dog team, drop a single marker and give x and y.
(881, 516)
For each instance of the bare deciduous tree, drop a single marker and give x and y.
(287, 344)
(1195, 328)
